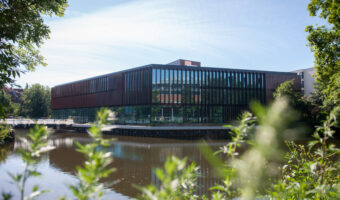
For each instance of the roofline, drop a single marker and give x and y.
(175, 66)
(309, 68)
(103, 75)
(221, 69)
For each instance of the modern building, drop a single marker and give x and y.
(307, 80)
(178, 92)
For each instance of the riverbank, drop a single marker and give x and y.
(191, 132)
(7, 137)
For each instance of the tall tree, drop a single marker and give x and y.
(22, 32)
(36, 101)
(324, 42)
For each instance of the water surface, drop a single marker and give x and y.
(134, 159)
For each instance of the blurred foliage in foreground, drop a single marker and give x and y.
(6, 133)
(263, 170)
(95, 167)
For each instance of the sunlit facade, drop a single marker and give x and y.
(168, 94)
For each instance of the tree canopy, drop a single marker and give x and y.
(22, 32)
(36, 101)
(5, 104)
(296, 100)
(286, 89)
(324, 42)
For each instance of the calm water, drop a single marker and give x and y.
(134, 159)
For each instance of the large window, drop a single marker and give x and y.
(194, 89)
(179, 93)
(162, 88)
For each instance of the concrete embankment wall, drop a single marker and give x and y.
(176, 132)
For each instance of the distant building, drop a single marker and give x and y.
(15, 93)
(186, 63)
(178, 92)
(307, 80)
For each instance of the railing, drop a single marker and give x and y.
(37, 121)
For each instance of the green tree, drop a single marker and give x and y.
(36, 101)
(22, 32)
(5, 104)
(307, 109)
(324, 42)
(286, 89)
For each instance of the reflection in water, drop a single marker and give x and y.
(5, 151)
(134, 158)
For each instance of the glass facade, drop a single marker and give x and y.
(188, 95)
(124, 114)
(79, 115)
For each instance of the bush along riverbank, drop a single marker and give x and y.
(7, 134)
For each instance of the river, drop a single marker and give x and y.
(134, 159)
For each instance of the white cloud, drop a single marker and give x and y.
(150, 31)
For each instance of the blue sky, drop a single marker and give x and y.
(97, 37)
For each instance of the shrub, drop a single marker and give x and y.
(6, 133)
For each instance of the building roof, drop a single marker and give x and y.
(177, 67)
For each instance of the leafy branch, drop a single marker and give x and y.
(33, 147)
(96, 166)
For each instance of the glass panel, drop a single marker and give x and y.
(240, 79)
(162, 85)
(179, 86)
(139, 83)
(225, 96)
(167, 86)
(249, 80)
(203, 87)
(125, 86)
(154, 85)
(184, 78)
(170, 96)
(199, 87)
(207, 91)
(196, 87)
(192, 86)
(221, 79)
(158, 76)
(208, 81)
(175, 86)
(158, 86)
(225, 84)
(187, 88)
